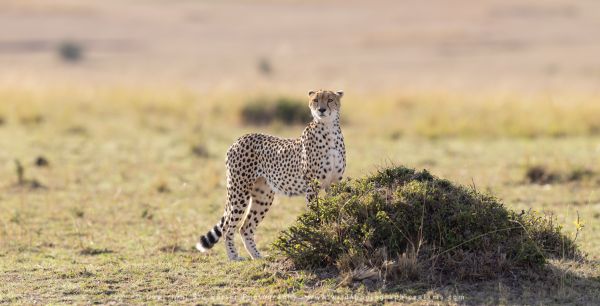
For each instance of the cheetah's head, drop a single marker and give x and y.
(324, 104)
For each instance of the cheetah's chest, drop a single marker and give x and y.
(333, 160)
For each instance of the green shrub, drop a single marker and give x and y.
(540, 174)
(70, 51)
(264, 66)
(264, 111)
(399, 221)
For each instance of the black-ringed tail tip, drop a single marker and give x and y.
(208, 241)
(200, 248)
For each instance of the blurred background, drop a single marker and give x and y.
(508, 45)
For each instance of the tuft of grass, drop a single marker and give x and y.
(20, 170)
(76, 130)
(73, 274)
(146, 214)
(264, 111)
(32, 120)
(200, 150)
(163, 187)
(78, 212)
(16, 218)
(24, 182)
(172, 248)
(41, 161)
(94, 251)
(407, 224)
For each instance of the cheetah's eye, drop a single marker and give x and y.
(330, 100)
(315, 100)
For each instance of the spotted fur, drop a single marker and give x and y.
(258, 166)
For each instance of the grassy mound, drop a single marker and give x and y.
(402, 223)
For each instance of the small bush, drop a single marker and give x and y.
(200, 150)
(539, 174)
(70, 51)
(579, 174)
(264, 66)
(41, 161)
(265, 111)
(407, 224)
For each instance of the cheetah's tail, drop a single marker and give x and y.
(210, 239)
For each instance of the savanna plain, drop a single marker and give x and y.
(113, 140)
(105, 191)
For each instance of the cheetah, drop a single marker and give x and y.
(260, 166)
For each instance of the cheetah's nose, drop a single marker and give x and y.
(322, 110)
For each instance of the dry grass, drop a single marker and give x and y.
(102, 231)
(418, 114)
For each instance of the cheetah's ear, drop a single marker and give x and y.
(310, 93)
(340, 93)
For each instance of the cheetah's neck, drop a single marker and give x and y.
(333, 123)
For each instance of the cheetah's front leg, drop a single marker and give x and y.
(312, 189)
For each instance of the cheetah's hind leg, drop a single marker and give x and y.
(261, 199)
(238, 197)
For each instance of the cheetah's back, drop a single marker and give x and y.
(278, 160)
